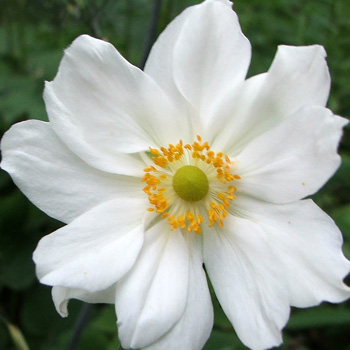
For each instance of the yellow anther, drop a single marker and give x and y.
(195, 154)
(160, 161)
(189, 215)
(154, 151)
(229, 177)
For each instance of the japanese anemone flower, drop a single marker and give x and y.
(186, 163)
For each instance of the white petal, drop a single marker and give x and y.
(247, 282)
(94, 250)
(310, 82)
(193, 329)
(152, 296)
(293, 160)
(55, 179)
(202, 53)
(159, 64)
(297, 77)
(211, 55)
(306, 246)
(62, 295)
(100, 105)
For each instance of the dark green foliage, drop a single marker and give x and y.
(33, 35)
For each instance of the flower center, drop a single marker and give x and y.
(190, 183)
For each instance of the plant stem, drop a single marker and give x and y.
(152, 31)
(79, 326)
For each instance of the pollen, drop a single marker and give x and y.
(190, 185)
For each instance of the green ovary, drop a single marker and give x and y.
(190, 183)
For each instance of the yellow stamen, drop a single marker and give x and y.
(183, 211)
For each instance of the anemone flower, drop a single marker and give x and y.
(182, 171)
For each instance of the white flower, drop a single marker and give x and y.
(158, 172)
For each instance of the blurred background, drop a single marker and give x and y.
(33, 35)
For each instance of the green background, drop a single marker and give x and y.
(33, 35)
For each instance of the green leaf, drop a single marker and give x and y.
(105, 322)
(223, 341)
(341, 216)
(93, 339)
(13, 211)
(325, 315)
(39, 316)
(19, 272)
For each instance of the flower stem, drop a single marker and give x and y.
(79, 326)
(152, 31)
